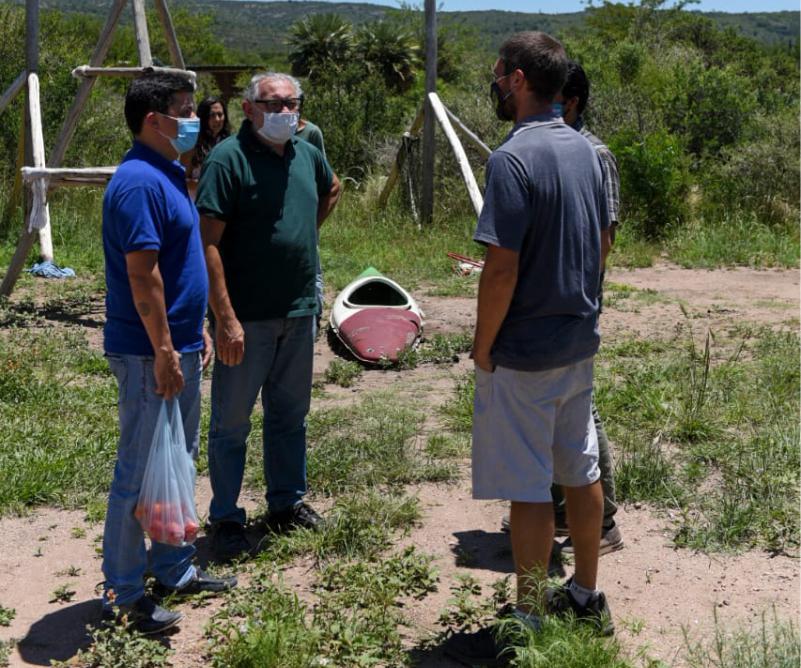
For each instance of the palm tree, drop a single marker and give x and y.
(319, 41)
(390, 51)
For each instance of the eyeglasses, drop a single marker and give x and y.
(276, 105)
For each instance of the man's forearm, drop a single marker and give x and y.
(148, 295)
(218, 289)
(328, 202)
(495, 291)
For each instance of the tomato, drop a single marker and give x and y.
(190, 531)
(175, 534)
(155, 529)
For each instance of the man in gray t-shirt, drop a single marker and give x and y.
(545, 224)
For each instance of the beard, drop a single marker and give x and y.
(504, 103)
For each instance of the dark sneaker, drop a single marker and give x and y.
(228, 541)
(596, 613)
(481, 648)
(506, 527)
(202, 582)
(611, 541)
(299, 516)
(144, 615)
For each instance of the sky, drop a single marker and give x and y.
(561, 6)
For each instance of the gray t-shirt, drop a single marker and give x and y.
(545, 200)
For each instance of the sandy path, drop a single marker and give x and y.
(653, 588)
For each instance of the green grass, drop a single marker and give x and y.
(358, 526)
(734, 241)
(562, 643)
(439, 349)
(774, 643)
(359, 235)
(632, 251)
(7, 615)
(58, 409)
(708, 430)
(344, 373)
(355, 620)
(377, 442)
(682, 422)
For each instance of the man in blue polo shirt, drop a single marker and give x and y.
(154, 338)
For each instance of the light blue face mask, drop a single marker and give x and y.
(188, 131)
(558, 109)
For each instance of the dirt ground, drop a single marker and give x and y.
(654, 589)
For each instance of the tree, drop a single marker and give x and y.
(390, 52)
(319, 41)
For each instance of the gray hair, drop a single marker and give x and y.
(252, 91)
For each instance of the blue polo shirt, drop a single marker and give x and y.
(147, 207)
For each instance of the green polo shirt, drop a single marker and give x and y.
(269, 205)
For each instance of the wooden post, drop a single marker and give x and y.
(429, 138)
(458, 150)
(81, 97)
(176, 57)
(142, 39)
(40, 213)
(32, 65)
(392, 179)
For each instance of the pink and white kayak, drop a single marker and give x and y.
(375, 318)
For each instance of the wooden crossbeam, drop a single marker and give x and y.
(89, 71)
(458, 150)
(12, 91)
(469, 134)
(68, 175)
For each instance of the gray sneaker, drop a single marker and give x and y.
(596, 612)
(144, 615)
(611, 541)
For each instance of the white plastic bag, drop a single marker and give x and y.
(166, 505)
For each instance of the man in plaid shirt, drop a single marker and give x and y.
(573, 101)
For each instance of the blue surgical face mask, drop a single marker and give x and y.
(558, 109)
(188, 131)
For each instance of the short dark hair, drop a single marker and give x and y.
(577, 85)
(541, 58)
(153, 92)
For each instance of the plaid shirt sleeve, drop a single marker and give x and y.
(611, 182)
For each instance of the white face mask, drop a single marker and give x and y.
(278, 128)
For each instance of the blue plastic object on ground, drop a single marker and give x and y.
(50, 270)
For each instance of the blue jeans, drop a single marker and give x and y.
(277, 362)
(125, 558)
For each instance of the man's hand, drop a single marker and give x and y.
(483, 360)
(208, 347)
(230, 342)
(167, 370)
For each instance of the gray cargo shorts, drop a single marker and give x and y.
(531, 429)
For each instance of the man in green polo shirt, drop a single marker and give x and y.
(261, 196)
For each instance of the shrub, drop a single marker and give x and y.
(654, 180)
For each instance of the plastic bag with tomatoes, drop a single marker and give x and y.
(166, 505)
